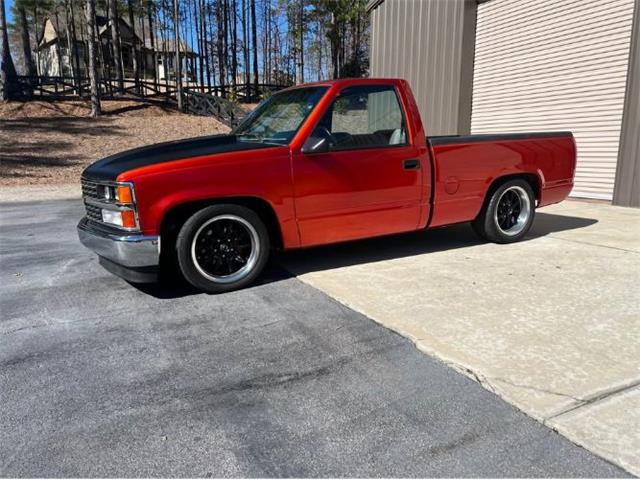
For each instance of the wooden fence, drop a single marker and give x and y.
(65, 87)
(216, 101)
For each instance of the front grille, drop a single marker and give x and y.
(89, 189)
(93, 213)
(90, 192)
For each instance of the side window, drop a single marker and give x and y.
(363, 117)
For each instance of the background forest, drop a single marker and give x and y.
(232, 42)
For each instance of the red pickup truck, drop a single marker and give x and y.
(313, 164)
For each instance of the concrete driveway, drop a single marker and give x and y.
(101, 379)
(551, 324)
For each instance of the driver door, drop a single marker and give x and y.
(369, 181)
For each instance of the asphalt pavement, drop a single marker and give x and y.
(99, 378)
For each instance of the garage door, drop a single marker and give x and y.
(556, 65)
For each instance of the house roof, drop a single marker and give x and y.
(55, 27)
(168, 45)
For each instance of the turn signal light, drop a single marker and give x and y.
(128, 219)
(124, 194)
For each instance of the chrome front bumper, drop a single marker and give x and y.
(128, 250)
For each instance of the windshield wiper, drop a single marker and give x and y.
(250, 137)
(255, 138)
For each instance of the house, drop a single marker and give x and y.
(57, 56)
(166, 53)
(486, 66)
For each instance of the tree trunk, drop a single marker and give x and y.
(70, 45)
(7, 68)
(176, 40)
(36, 32)
(203, 15)
(152, 42)
(220, 46)
(245, 48)
(165, 45)
(93, 69)
(234, 47)
(26, 42)
(198, 24)
(74, 42)
(136, 67)
(115, 40)
(254, 31)
(301, 41)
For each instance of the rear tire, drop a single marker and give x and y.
(508, 213)
(222, 247)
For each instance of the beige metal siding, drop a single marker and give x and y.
(556, 65)
(421, 41)
(627, 191)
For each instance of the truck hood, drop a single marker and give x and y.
(108, 169)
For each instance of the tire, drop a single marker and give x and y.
(508, 213)
(222, 248)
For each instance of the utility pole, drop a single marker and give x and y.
(176, 37)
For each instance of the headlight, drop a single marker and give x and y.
(121, 218)
(116, 193)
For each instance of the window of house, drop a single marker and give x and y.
(364, 117)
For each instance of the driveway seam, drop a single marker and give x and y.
(595, 399)
(594, 244)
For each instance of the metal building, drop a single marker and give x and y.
(479, 66)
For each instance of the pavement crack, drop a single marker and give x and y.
(595, 398)
(536, 389)
(21, 329)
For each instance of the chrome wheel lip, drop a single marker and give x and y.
(240, 273)
(523, 216)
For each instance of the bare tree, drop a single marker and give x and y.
(7, 68)
(152, 42)
(254, 32)
(220, 45)
(245, 47)
(30, 68)
(116, 44)
(136, 66)
(93, 69)
(176, 40)
(234, 46)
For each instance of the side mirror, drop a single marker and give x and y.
(315, 145)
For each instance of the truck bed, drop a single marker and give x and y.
(465, 165)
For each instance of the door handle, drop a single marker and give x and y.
(412, 164)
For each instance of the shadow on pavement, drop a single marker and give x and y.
(415, 243)
(288, 264)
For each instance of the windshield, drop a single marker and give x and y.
(278, 118)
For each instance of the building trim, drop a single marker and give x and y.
(468, 54)
(373, 4)
(626, 190)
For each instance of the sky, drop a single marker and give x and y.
(8, 4)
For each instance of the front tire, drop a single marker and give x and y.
(222, 247)
(508, 214)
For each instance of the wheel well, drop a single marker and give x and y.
(530, 178)
(176, 216)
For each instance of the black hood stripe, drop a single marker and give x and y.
(110, 167)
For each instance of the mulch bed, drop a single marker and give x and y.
(52, 142)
